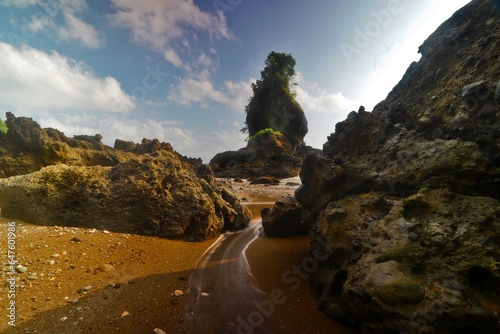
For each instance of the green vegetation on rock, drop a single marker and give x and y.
(3, 127)
(262, 132)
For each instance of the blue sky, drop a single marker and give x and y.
(181, 70)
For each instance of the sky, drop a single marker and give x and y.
(181, 70)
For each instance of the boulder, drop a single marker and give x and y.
(396, 263)
(154, 194)
(284, 219)
(269, 145)
(264, 180)
(475, 93)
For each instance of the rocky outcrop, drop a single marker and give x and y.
(276, 125)
(398, 264)
(26, 148)
(285, 219)
(274, 108)
(269, 154)
(406, 199)
(155, 194)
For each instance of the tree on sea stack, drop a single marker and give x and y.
(273, 105)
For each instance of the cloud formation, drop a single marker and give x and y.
(200, 89)
(156, 24)
(74, 28)
(34, 81)
(322, 108)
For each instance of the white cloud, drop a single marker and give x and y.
(75, 29)
(172, 57)
(157, 23)
(317, 100)
(191, 90)
(20, 3)
(234, 95)
(79, 31)
(34, 81)
(322, 108)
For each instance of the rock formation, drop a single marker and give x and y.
(47, 178)
(269, 154)
(26, 148)
(276, 109)
(276, 125)
(155, 194)
(285, 219)
(406, 199)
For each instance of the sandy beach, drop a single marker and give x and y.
(131, 280)
(134, 296)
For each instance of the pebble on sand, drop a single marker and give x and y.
(105, 268)
(158, 331)
(21, 269)
(124, 314)
(178, 293)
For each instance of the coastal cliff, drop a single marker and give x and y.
(407, 197)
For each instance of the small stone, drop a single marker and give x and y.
(51, 262)
(117, 286)
(182, 278)
(158, 331)
(64, 319)
(105, 268)
(131, 281)
(55, 256)
(125, 314)
(178, 293)
(21, 269)
(75, 301)
(87, 288)
(105, 232)
(76, 239)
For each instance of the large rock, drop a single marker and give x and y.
(274, 108)
(27, 147)
(284, 219)
(402, 264)
(154, 194)
(407, 197)
(251, 161)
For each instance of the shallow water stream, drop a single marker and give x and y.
(223, 291)
(224, 295)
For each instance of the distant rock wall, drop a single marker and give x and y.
(406, 199)
(26, 148)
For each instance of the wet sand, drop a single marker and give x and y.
(146, 273)
(272, 262)
(136, 296)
